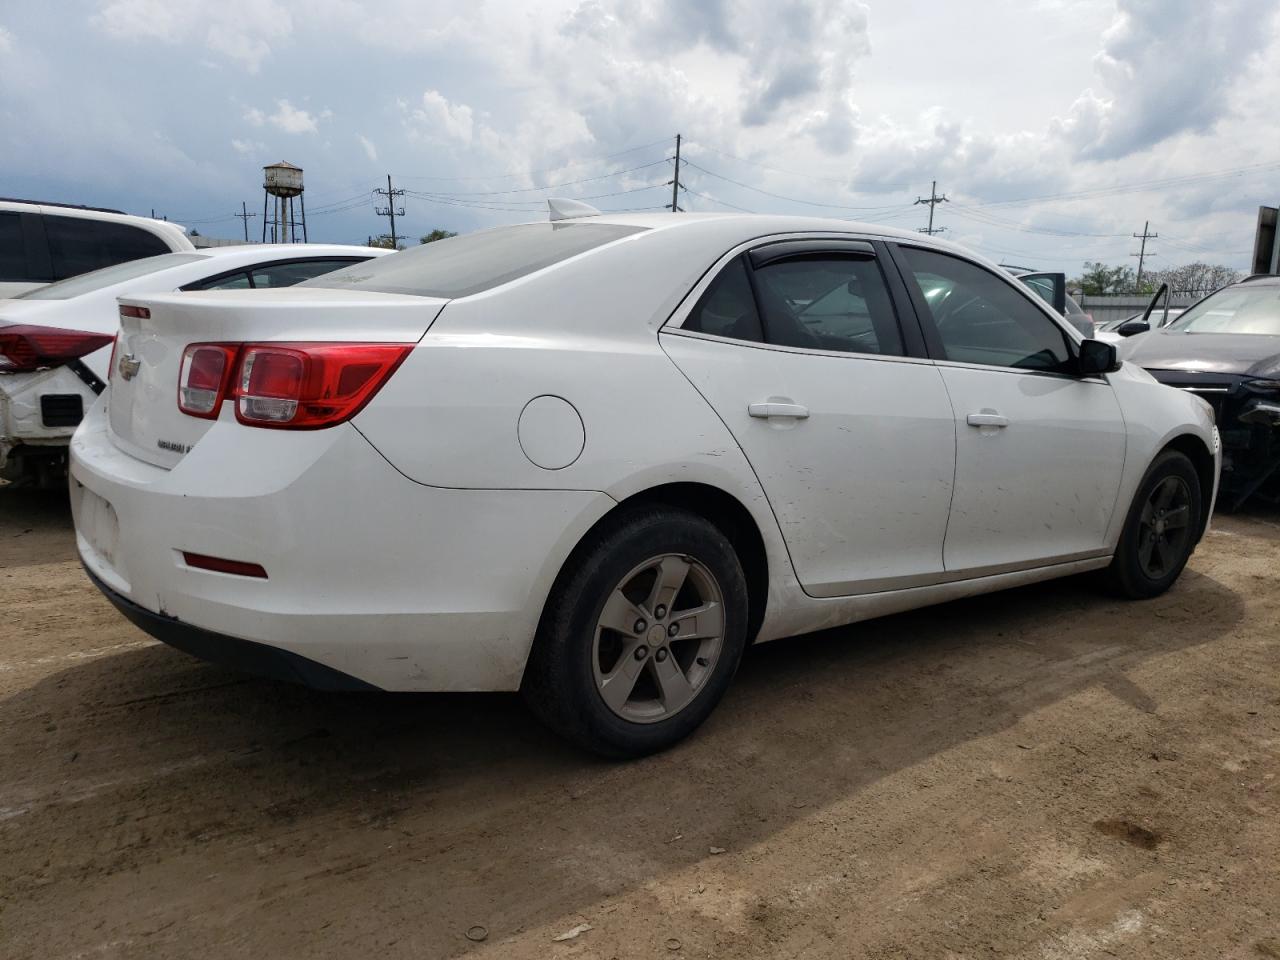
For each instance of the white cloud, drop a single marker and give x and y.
(439, 119)
(1168, 67)
(6, 40)
(290, 119)
(248, 147)
(370, 150)
(240, 30)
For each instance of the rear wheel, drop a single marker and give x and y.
(641, 635)
(1160, 531)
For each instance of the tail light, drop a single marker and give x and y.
(202, 379)
(292, 386)
(24, 348)
(308, 385)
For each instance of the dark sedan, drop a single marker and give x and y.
(1226, 349)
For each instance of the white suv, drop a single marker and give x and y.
(44, 242)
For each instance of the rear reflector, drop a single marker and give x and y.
(203, 377)
(137, 313)
(217, 564)
(24, 348)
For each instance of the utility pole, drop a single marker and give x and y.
(675, 183)
(390, 209)
(932, 200)
(244, 215)
(1144, 236)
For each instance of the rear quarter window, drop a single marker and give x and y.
(13, 253)
(78, 244)
(462, 266)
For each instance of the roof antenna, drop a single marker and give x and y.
(564, 209)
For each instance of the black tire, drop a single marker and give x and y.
(1129, 575)
(560, 682)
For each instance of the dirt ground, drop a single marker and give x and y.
(1043, 773)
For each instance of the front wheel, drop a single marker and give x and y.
(642, 634)
(1160, 531)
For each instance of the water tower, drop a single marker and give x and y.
(282, 182)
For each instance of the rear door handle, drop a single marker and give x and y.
(987, 420)
(784, 411)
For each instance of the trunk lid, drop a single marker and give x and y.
(143, 388)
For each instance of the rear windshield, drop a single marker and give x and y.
(107, 276)
(461, 266)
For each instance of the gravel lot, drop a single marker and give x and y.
(1043, 773)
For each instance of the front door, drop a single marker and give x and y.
(798, 347)
(1039, 450)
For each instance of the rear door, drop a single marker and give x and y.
(798, 347)
(1039, 450)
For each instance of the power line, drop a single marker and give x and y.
(707, 196)
(779, 196)
(933, 200)
(842, 181)
(534, 173)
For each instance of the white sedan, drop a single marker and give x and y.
(55, 341)
(594, 459)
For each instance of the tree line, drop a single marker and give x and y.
(1196, 279)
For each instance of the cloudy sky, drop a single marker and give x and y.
(1055, 127)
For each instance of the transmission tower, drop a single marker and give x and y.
(932, 200)
(1144, 236)
(674, 206)
(246, 216)
(390, 210)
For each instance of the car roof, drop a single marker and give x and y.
(175, 234)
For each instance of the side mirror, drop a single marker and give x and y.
(1130, 327)
(1097, 357)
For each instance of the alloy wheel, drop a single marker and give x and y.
(658, 638)
(1164, 527)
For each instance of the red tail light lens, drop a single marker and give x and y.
(304, 386)
(137, 313)
(203, 378)
(24, 348)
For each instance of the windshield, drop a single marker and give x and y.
(109, 276)
(461, 266)
(1244, 308)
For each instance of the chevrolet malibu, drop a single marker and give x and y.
(592, 459)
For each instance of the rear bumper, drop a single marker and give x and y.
(232, 652)
(392, 583)
(35, 408)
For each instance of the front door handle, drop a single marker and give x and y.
(775, 411)
(987, 420)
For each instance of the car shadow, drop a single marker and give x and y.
(178, 773)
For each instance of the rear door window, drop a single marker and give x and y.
(78, 244)
(828, 302)
(475, 262)
(727, 307)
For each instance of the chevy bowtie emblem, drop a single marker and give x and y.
(129, 366)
